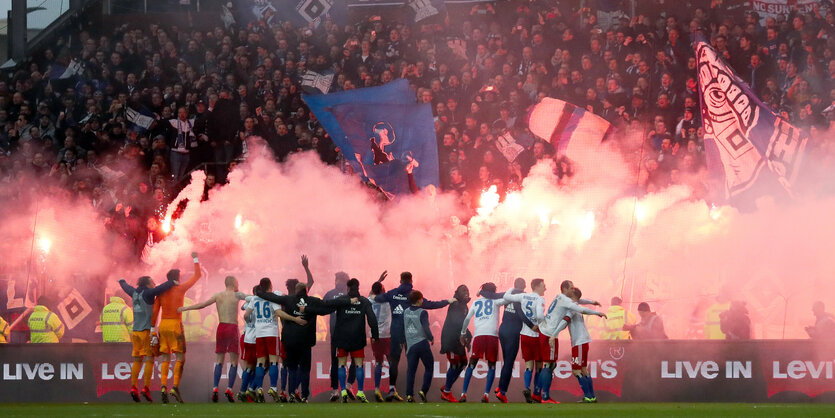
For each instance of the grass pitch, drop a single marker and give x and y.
(324, 410)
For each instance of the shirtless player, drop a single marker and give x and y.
(227, 332)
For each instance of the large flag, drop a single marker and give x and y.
(397, 91)
(748, 147)
(570, 129)
(386, 138)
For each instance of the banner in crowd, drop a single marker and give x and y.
(749, 149)
(424, 9)
(389, 138)
(59, 72)
(142, 118)
(570, 129)
(299, 12)
(313, 82)
(370, 3)
(629, 371)
(774, 8)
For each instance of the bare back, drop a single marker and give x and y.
(227, 307)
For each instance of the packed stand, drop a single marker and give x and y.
(209, 92)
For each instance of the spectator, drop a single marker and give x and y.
(824, 328)
(735, 323)
(650, 328)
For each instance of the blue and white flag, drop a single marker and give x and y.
(387, 139)
(748, 147)
(299, 12)
(313, 82)
(59, 72)
(141, 119)
(424, 9)
(570, 129)
(395, 92)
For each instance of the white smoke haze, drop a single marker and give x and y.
(664, 248)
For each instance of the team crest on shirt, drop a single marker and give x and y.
(616, 353)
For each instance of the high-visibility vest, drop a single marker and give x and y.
(617, 317)
(116, 321)
(193, 323)
(4, 331)
(712, 329)
(44, 326)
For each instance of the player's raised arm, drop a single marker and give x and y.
(126, 287)
(306, 265)
(197, 273)
(589, 302)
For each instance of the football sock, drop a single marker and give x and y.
(147, 372)
(259, 376)
(163, 377)
(491, 375)
(546, 376)
(342, 376)
(582, 383)
(218, 372)
(528, 375)
(451, 376)
(178, 371)
(233, 374)
(245, 378)
(467, 376)
(536, 386)
(273, 375)
(360, 377)
(590, 386)
(283, 377)
(378, 375)
(134, 372)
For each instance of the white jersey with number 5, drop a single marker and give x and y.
(533, 306)
(486, 314)
(263, 312)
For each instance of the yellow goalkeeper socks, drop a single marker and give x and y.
(146, 374)
(134, 372)
(178, 372)
(164, 373)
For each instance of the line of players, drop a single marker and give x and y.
(397, 320)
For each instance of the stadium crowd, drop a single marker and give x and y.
(209, 92)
